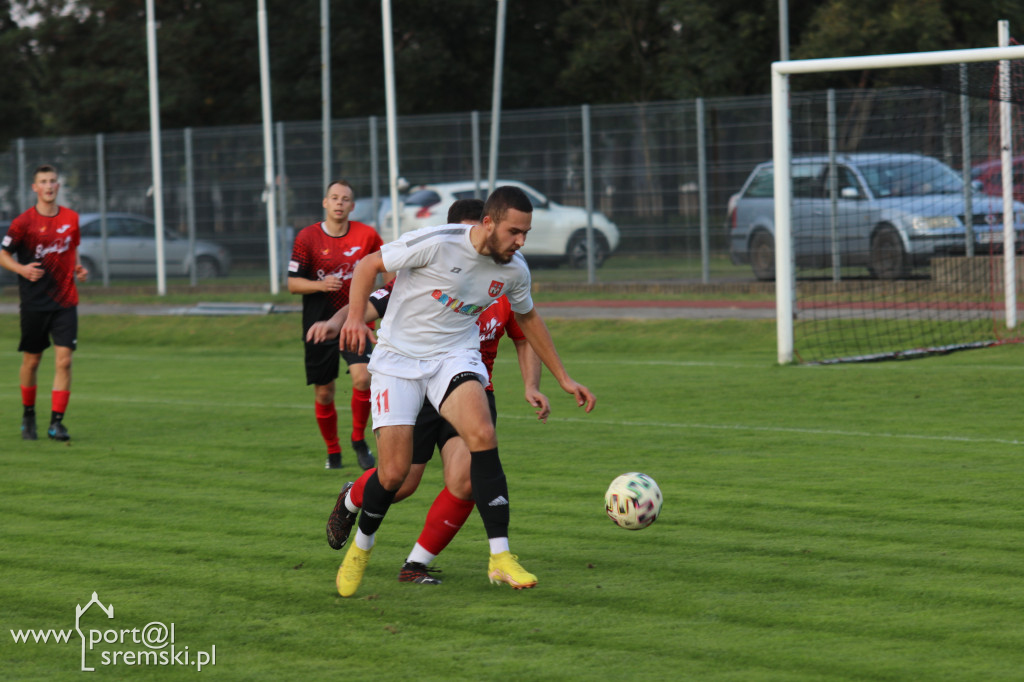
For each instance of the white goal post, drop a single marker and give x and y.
(785, 289)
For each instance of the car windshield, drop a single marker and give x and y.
(913, 177)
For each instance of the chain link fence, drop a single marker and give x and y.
(646, 165)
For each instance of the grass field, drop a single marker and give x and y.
(820, 523)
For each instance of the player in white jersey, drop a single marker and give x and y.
(429, 347)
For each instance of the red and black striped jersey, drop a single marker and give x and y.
(53, 242)
(317, 255)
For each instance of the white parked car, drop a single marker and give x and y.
(558, 232)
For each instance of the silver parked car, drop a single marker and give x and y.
(894, 212)
(131, 249)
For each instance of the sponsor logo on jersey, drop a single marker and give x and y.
(56, 247)
(293, 266)
(490, 330)
(455, 305)
(352, 251)
(456, 270)
(496, 287)
(63, 228)
(344, 272)
(7, 240)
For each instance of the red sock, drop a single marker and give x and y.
(445, 518)
(360, 413)
(355, 495)
(28, 396)
(60, 401)
(327, 420)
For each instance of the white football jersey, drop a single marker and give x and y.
(442, 286)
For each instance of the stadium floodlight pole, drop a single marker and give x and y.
(499, 60)
(154, 145)
(389, 92)
(1006, 147)
(268, 146)
(325, 85)
(784, 285)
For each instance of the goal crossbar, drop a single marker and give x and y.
(785, 289)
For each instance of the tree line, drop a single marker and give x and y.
(80, 66)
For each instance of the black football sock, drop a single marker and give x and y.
(490, 492)
(376, 502)
(56, 417)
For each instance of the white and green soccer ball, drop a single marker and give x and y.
(633, 501)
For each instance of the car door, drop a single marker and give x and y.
(809, 217)
(132, 246)
(854, 218)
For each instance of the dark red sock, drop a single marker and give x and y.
(28, 396)
(327, 420)
(360, 413)
(355, 495)
(446, 516)
(60, 401)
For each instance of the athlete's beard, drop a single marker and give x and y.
(497, 255)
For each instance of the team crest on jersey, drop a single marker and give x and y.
(325, 252)
(496, 287)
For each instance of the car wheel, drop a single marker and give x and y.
(94, 272)
(888, 258)
(576, 253)
(206, 268)
(762, 256)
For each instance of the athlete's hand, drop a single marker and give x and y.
(322, 331)
(81, 273)
(33, 272)
(540, 402)
(581, 392)
(356, 337)
(331, 283)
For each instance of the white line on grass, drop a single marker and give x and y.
(605, 422)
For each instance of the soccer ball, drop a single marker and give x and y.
(633, 501)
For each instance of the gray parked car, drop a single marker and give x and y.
(894, 212)
(131, 249)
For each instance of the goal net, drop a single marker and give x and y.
(892, 243)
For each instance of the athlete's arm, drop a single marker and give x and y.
(529, 367)
(331, 329)
(301, 285)
(540, 339)
(31, 271)
(355, 333)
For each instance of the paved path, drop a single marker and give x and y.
(573, 310)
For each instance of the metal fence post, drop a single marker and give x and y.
(281, 187)
(588, 192)
(474, 118)
(190, 206)
(22, 171)
(101, 176)
(702, 185)
(833, 186)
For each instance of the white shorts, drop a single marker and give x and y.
(398, 383)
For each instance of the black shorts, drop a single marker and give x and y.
(432, 431)
(323, 361)
(38, 326)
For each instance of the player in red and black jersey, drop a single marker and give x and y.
(45, 240)
(323, 258)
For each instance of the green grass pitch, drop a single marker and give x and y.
(861, 522)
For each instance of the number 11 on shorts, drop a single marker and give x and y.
(382, 402)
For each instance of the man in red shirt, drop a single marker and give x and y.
(323, 259)
(45, 240)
